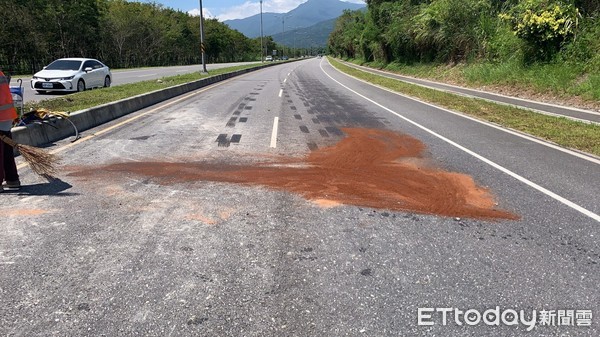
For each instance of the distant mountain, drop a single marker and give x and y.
(313, 36)
(307, 14)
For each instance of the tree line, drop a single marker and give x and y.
(409, 31)
(120, 33)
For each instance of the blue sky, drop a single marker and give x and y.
(233, 9)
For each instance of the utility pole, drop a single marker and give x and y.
(262, 48)
(202, 39)
(295, 50)
(283, 16)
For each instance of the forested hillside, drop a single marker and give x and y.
(458, 30)
(120, 33)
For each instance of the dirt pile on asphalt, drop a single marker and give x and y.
(372, 168)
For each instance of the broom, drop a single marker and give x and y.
(40, 161)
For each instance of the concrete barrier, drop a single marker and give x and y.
(45, 133)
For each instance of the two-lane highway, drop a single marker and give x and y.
(242, 209)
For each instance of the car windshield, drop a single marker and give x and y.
(64, 65)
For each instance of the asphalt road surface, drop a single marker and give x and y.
(134, 240)
(126, 76)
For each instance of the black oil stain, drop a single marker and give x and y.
(334, 130)
(222, 140)
(83, 307)
(141, 138)
(231, 122)
(197, 320)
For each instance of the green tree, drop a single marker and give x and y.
(346, 36)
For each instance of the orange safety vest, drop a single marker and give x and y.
(7, 107)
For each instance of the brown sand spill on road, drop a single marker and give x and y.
(371, 168)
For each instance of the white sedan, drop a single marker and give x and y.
(72, 74)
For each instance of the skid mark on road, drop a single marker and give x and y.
(372, 168)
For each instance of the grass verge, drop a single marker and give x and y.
(562, 131)
(564, 82)
(92, 98)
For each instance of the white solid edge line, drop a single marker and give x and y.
(274, 133)
(280, 92)
(576, 119)
(483, 159)
(476, 90)
(512, 132)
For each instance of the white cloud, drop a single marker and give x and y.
(196, 12)
(241, 11)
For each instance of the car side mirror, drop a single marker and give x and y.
(45, 67)
(88, 69)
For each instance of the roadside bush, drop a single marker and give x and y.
(544, 24)
(451, 27)
(585, 48)
(504, 45)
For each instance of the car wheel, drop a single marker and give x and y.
(107, 81)
(80, 86)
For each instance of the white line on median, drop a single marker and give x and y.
(274, 133)
(482, 158)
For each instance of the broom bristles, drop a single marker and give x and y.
(40, 161)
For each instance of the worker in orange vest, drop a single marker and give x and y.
(8, 113)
